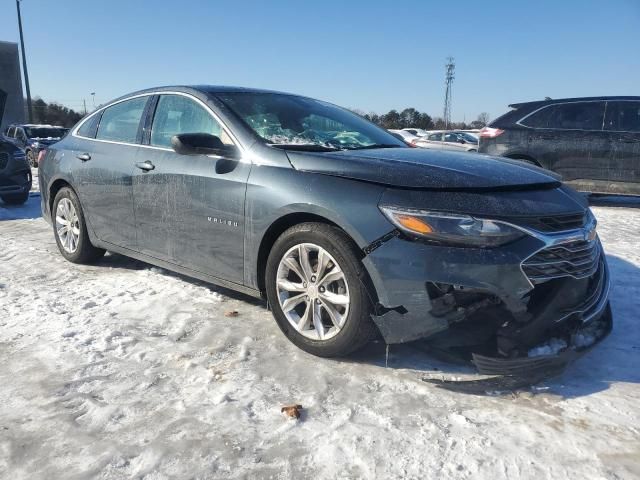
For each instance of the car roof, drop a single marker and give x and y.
(205, 89)
(194, 89)
(35, 125)
(573, 99)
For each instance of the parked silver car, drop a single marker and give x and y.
(456, 141)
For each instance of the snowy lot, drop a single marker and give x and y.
(121, 370)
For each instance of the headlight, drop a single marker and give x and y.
(452, 229)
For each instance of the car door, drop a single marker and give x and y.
(190, 208)
(433, 141)
(568, 139)
(103, 167)
(622, 123)
(452, 142)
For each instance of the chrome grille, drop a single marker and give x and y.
(4, 159)
(578, 259)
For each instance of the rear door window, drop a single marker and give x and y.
(435, 137)
(121, 122)
(622, 117)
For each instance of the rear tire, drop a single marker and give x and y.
(70, 229)
(15, 198)
(331, 316)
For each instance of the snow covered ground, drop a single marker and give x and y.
(121, 370)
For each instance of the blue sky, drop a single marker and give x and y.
(369, 54)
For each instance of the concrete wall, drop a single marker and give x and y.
(10, 85)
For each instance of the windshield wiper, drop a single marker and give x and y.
(377, 145)
(303, 147)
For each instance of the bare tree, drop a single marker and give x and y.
(483, 119)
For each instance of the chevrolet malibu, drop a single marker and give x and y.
(347, 232)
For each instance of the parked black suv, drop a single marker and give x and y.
(15, 174)
(594, 143)
(33, 138)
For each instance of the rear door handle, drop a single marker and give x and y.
(84, 157)
(146, 166)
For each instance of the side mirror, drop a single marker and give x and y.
(202, 144)
(461, 140)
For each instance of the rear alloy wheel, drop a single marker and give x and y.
(316, 288)
(70, 229)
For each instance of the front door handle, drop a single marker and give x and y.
(146, 166)
(84, 157)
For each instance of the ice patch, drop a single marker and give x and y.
(550, 347)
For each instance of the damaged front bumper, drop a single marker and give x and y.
(495, 305)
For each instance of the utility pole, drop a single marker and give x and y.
(24, 65)
(84, 102)
(449, 76)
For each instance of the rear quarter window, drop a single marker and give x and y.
(88, 128)
(622, 116)
(120, 122)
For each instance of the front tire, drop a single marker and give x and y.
(31, 158)
(70, 229)
(15, 198)
(317, 288)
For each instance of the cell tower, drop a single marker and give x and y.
(450, 69)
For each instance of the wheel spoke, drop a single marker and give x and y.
(303, 257)
(317, 320)
(294, 266)
(335, 298)
(334, 315)
(61, 220)
(305, 319)
(323, 260)
(290, 286)
(332, 276)
(291, 302)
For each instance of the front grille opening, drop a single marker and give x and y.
(577, 259)
(555, 223)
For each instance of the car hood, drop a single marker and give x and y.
(426, 169)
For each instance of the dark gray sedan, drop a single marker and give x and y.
(346, 231)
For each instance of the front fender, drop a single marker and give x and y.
(275, 192)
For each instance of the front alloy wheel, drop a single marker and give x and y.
(313, 291)
(319, 291)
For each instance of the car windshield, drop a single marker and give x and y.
(288, 121)
(45, 132)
